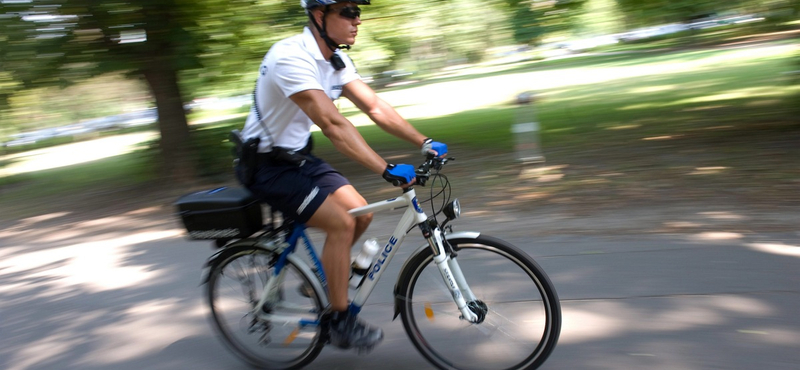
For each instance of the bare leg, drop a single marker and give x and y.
(342, 230)
(350, 198)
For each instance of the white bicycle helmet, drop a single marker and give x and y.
(310, 4)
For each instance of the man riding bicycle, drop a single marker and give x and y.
(299, 78)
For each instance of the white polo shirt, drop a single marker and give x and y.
(292, 65)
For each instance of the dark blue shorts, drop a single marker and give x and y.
(297, 192)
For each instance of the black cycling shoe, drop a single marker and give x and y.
(347, 331)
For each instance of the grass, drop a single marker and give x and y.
(593, 108)
(615, 96)
(32, 193)
(691, 91)
(123, 170)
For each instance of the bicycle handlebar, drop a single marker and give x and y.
(431, 163)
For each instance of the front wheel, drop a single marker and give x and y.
(522, 313)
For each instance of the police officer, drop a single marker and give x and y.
(299, 78)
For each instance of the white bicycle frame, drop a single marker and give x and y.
(414, 215)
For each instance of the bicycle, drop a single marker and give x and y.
(462, 304)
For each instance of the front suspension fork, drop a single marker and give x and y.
(451, 271)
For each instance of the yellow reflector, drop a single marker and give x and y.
(428, 311)
(292, 336)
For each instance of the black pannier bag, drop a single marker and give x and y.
(222, 213)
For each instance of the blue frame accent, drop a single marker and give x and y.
(353, 309)
(416, 205)
(299, 232)
(315, 260)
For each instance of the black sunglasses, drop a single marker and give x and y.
(350, 12)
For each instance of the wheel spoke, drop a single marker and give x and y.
(522, 315)
(274, 339)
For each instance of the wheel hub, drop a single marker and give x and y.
(479, 309)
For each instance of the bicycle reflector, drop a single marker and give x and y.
(452, 210)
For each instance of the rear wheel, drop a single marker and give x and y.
(234, 287)
(520, 315)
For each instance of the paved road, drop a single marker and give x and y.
(123, 292)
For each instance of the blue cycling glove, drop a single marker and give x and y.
(429, 145)
(399, 174)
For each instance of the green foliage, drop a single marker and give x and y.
(526, 25)
(47, 107)
(62, 42)
(60, 54)
(533, 20)
(640, 13)
(599, 17)
(179, 47)
(214, 150)
(722, 99)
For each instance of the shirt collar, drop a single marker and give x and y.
(311, 45)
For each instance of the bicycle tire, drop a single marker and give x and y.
(453, 343)
(250, 267)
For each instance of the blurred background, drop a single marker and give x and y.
(168, 79)
(643, 151)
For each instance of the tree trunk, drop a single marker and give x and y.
(176, 155)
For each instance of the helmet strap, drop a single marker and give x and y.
(323, 33)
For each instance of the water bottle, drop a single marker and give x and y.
(363, 261)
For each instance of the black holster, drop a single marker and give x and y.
(246, 157)
(282, 156)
